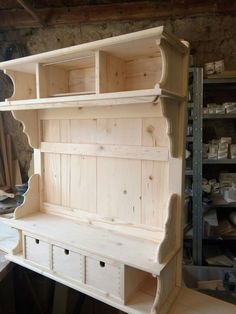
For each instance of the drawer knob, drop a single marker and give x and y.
(102, 264)
(66, 252)
(37, 241)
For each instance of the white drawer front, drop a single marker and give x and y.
(105, 277)
(67, 263)
(37, 251)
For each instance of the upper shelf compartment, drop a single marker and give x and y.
(70, 77)
(151, 60)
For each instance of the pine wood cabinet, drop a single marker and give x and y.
(103, 210)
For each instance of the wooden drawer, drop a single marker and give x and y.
(105, 277)
(67, 263)
(37, 251)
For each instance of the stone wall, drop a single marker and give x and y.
(211, 38)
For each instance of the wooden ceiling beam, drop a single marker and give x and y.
(31, 11)
(146, 10)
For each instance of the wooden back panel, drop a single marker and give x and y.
(128, 190)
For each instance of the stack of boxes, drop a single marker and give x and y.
(225, 108)
(219, 149)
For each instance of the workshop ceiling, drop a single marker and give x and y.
(46, 13)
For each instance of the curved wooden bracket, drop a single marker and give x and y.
(164, 57)
(18, 248)
(169, 241)
(167, 289)
(31, 199)
(29, 120)
(173, 62)
(170, 110)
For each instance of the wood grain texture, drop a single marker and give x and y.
(83, 184)
(114, 151)
(119, 194)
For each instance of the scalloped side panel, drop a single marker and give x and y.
(175, 68)
(169, 242)
(29, 120)
(167, 289)
(18, 248)
(170, 110)
(31, 202)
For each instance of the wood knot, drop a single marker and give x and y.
(150, 129)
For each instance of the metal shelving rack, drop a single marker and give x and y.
(197, 165)
(210, 86)
(198, 118)
(195, 104)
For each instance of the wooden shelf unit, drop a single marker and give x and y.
(107, 122)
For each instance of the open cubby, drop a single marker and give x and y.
(128, 74)
(67, 77)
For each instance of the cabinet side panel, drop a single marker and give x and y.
(111, 73)
(174, 78)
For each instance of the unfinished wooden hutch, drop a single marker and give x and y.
(102, 213)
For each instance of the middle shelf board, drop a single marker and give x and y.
(106, 99)
(138, 253)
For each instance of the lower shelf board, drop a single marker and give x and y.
(132, 251)
(140, 303)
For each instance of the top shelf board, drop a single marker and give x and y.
(124, 46)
